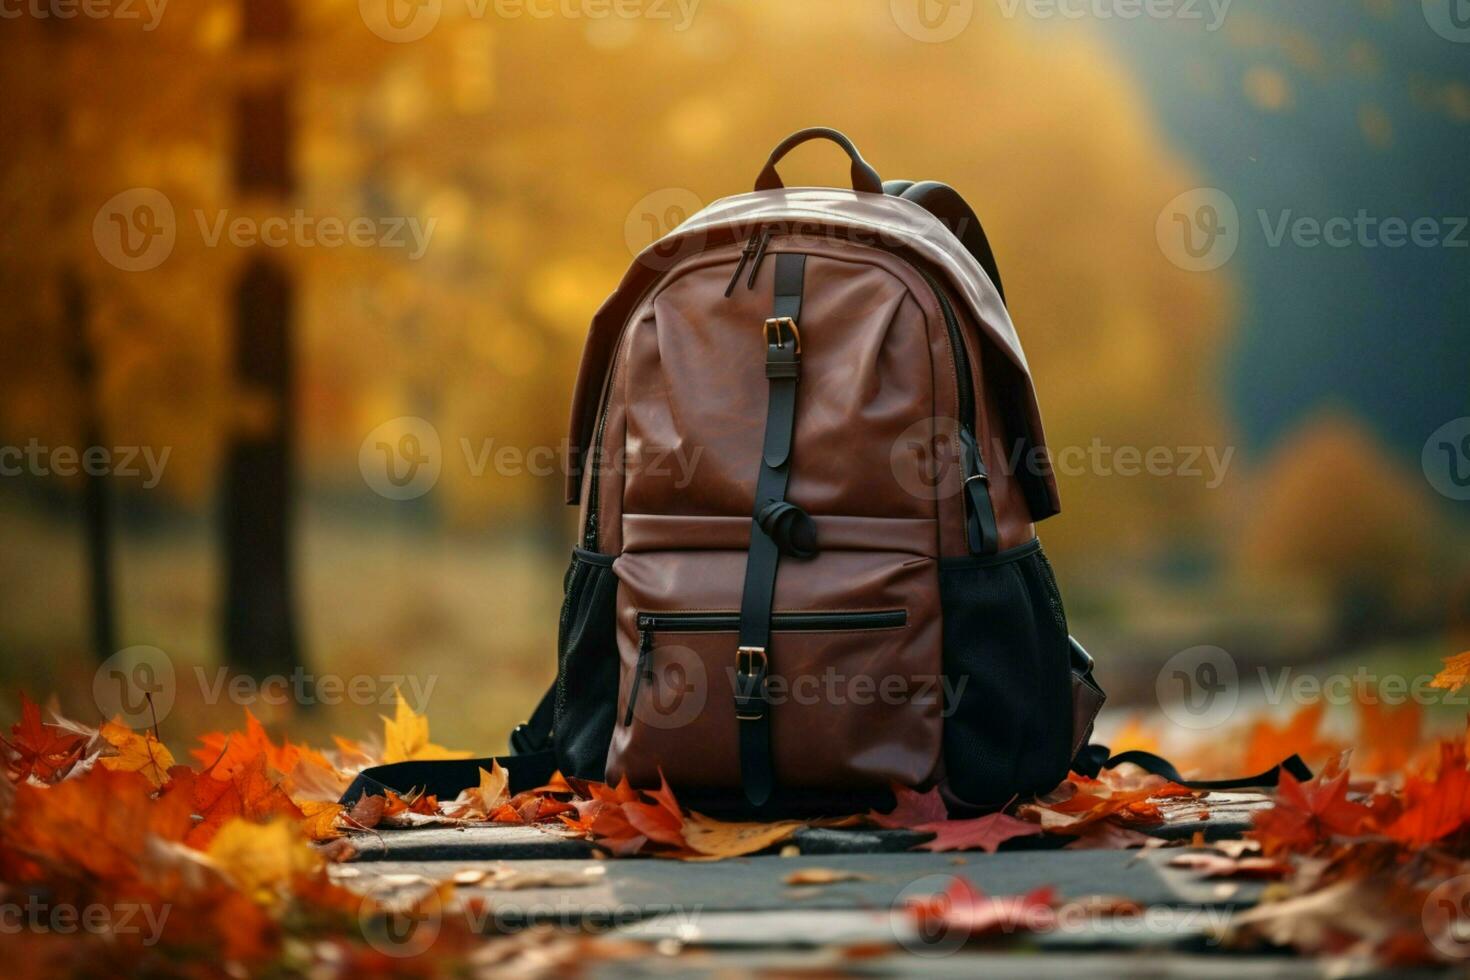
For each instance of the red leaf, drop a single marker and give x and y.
(45, 751)
(912, 809)
(984, 833)
(1306, 813)
(1434, 808)
(964, 908)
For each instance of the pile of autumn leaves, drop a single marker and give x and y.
(239, 845)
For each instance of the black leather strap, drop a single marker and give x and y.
(531, 763)
(864, 177)
(752, 663)
(1095, 758)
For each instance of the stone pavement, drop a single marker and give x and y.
(742, 915)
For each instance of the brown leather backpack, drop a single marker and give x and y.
(812, 464)
(810, 461)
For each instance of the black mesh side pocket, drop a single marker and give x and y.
(587, 666)
(1008, 720)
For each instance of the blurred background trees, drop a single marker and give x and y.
(540, 154)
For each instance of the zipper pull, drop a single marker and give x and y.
(760, 255)
(745, 257)
(979, 513)
(645, 648)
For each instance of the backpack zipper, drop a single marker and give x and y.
(706, 622)
(791, 622)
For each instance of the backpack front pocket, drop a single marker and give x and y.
(855, 693)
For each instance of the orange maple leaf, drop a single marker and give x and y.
(1455, 674)
(227, 752)
(98, 824)
(662, 820)
(250, 792)
(1306, 813)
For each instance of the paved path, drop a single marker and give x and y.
(743, 914)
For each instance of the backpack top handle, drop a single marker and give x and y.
(864, 177)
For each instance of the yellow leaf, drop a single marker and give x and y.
(713, 839)
(320, 819)
(262, 859)
(406, 737)
(142, 754)
(1456, 673)
(483, 800)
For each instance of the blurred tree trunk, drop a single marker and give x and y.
(260, 621)
(96, 499)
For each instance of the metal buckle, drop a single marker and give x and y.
(774, 337)
(745, 661)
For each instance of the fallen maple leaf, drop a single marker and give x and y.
(1437, 806)
(251, 793)
(262, 859)
(319, 820)
(483, 800)
(100, 823)
(712, 839)
(661, 821)
(966, 910)
(46, 752)
(985, 833)
(406, 736)
(911, 808)
(140, 753)
(1124, 794)
(1306, 813)
(1455, 674)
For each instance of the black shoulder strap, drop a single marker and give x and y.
(531, 763)
(946, 204)
(1095, 758)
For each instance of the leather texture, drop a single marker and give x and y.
(887, 222)
(685, 721)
